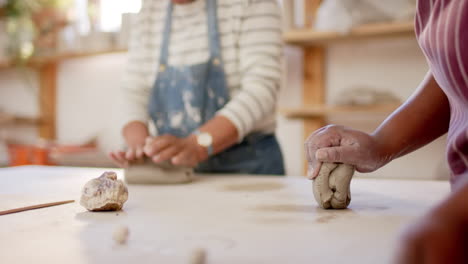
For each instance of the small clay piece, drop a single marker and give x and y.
(149, 172)
(198, 256)
(120, 234)
(105, 193)
(332, 186)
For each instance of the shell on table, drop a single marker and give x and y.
(105, 193)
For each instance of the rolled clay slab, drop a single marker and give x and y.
(104, 193)
(332, 186)
(148, 172)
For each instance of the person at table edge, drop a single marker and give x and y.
(206, 74)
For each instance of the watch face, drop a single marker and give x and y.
(205, 139)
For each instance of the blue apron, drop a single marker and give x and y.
(183, 98)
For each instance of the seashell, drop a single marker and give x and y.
(104, 193)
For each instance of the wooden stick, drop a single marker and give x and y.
(33, 207)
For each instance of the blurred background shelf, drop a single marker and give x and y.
(322, 111)
(47, 69)
(41, 60)
(9, 119)
(311, 37)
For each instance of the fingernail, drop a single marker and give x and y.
(156, 158)
(148, 150)
(320, 155)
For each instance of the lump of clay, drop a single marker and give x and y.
(332, 186)
(105, 193)
(148, 172)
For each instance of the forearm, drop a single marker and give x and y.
(421, 119)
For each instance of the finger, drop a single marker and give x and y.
(114, 159)
(167, 153)
(184, 158)
(130, 154)
(139, 152)
(118, 158)
(328, 136)
(158, 144)
(343, 154)
(313, 171)
(149, 140)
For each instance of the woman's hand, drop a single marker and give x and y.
(179, 151)
(135, 134)
(343, 145)
(441, 236)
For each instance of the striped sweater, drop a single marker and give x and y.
(441, 27)
(251, 51)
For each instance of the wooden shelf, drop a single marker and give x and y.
(324, 111)
(8, 119)
(40, 60)
(309, 37)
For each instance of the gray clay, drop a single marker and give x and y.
(148, 172)
(331, 188)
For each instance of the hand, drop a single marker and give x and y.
(179, 151)
(441, 236)
(123, 158)
(338, 144)
(135, 134)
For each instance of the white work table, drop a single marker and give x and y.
(237, 219)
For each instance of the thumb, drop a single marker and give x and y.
(341, 154)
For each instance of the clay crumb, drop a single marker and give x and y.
(121, 234)
(198, 256)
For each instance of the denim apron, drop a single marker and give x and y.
(183, 98)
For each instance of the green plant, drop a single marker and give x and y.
(20, 8)
(30, 22)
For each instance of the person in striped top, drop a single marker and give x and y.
(206, 75)
(439, 105)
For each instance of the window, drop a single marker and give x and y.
(111, 12)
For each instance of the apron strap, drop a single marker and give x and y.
(214, 37)
(164, 56)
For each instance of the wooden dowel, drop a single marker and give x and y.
(33, 207)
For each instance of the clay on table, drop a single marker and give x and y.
(148, 172)
(331, 188)
(104, 193)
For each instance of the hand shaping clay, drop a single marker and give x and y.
(332, 186)
(149, 172)
(105, 193)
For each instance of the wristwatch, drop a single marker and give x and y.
(205, 140)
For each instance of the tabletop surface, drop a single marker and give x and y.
(236, 219)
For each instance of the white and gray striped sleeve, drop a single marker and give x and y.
(260, 49)
(135, 90)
